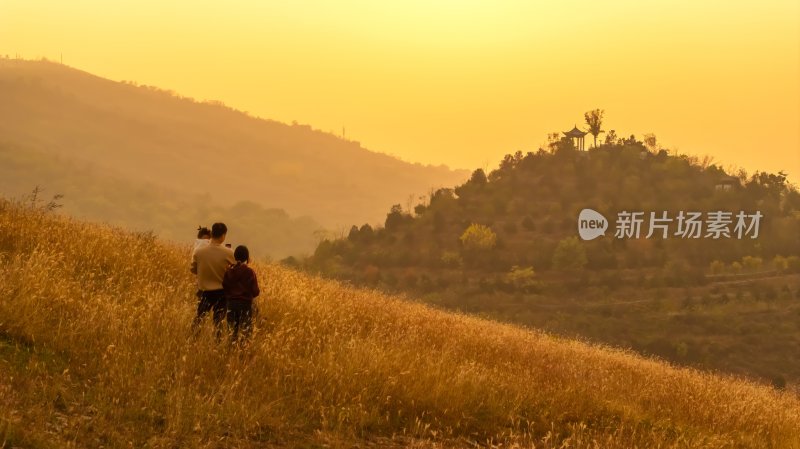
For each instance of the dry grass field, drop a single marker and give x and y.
(96, 350)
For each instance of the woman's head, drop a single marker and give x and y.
(241, 253)
(203, 232)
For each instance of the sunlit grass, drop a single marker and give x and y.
(97, 350)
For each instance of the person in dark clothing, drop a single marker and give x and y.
(241, 288)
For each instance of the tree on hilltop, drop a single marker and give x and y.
(594, 119)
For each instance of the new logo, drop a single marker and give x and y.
(591, 224)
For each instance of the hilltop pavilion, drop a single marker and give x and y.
(577, 137)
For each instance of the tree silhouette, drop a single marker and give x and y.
(478, 177)
(396, 217)
(594, 119)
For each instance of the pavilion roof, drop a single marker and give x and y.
(575, 132)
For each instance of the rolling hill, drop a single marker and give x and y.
(96, 350)
(506, 244)
(146, 135)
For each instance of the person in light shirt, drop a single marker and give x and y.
(209, 263)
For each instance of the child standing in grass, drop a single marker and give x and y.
(241, 288)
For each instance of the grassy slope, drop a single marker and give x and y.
(96, 351)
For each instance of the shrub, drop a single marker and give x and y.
(751, 263)
(569, 255)
(522, 278)
(478, 238)
(717, 267)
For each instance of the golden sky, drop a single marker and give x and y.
(456, 82)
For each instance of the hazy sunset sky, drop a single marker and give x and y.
(456, 82)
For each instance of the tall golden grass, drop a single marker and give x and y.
(97, 351)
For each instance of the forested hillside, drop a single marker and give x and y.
(507, 244)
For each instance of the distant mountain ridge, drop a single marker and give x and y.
(148, 135)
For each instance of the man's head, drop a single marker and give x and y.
(218, 232)
(241, 253)
(203, 232)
